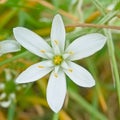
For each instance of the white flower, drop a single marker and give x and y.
(6, 103)
(8, 93)
(58, 60)
(8, 46)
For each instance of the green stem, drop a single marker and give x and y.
(93, 69)
(14, 58)
(29, 86)
(55, 116)
(113, 61)
(11, 111)
(83, 103)
(108, 17)
(99, 6)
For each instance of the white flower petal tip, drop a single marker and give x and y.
(86, 45)
(56, 91)
(100, 40)
(57, 16)
(18, 81)
(31, 41)
(90, 84)
(58, 33)
(8, 46)
(101, 37)
(80, 75)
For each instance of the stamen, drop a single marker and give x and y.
(42, 51)
(56, 75)
(71, 52)
(40, 66)
(70, 70)
(56, 42)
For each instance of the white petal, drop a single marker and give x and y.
(56, 91)
(35, 72)
(8, 46)
(2, 86)
(12, 96)
(79, 75)
(58, 32)
(86, 45)
(64, 65)
(2, 95)
(31, 41)
(5, 104)
(56, 69)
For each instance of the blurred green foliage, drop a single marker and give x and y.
(97, 103)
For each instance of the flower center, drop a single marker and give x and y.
(57, 60)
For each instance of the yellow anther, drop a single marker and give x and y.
(71, 52)
(56, 42)
(56, 75)
(57, 59)
(42, 51)
(40, 66)
(70, 70)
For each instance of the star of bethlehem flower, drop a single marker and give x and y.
(8, 46)
(59, 60)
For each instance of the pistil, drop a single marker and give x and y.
(57, 60)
